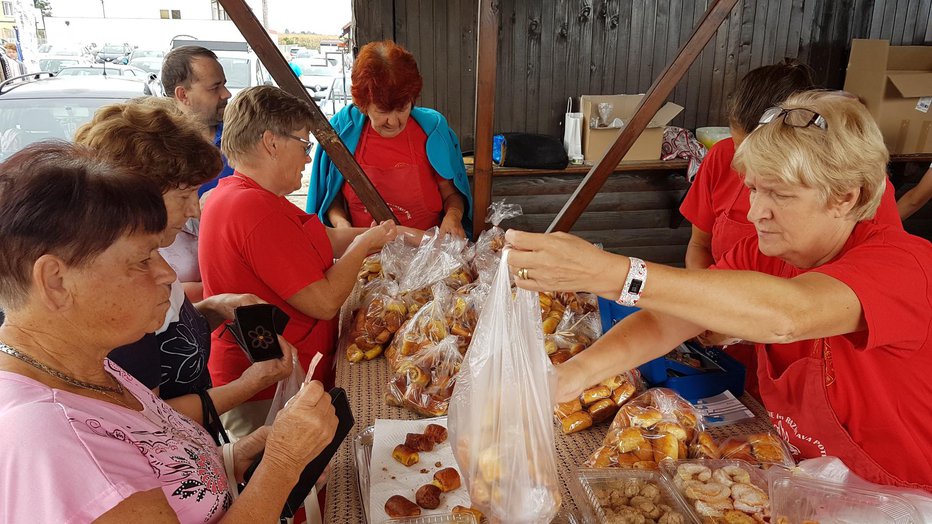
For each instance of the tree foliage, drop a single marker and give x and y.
(45, 6)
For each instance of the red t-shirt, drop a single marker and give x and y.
(718, 190)
(252, 241)
(880, 389)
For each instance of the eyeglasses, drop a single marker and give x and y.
(308, 145)
(795, 117)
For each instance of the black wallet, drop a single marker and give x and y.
(256, 328)
(315, 468)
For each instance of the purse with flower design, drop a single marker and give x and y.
(256, 328)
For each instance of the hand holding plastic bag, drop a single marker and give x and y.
(500, 414)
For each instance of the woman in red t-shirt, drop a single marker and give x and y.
(840, 306)
(253, 240)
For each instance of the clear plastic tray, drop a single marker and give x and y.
(362, 452)
(758, 477)
(435, 519)
(798, 499)
(587, 480)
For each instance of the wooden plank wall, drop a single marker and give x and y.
(553, 49)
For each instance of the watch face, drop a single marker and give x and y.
(635, 286)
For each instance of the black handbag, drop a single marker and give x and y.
(533, 151)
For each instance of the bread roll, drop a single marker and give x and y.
(623, 393)
(419, 442)
(666, 446)
(428, 496)
(576, 422)
(602, 410)
(405, 455)
(436, 433)
(447, 479)
(594, 394)
(399, 507)
(630, 439)
(565, 409)
(462, 510)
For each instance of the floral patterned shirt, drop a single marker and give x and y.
(69, 458)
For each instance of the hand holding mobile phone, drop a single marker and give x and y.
(316, 466)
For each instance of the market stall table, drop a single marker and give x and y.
(365, 385)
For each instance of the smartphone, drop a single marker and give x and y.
(315, 468)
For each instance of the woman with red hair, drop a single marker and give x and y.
(409, 153)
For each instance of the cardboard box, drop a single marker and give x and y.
(895, 83)
(596, 142)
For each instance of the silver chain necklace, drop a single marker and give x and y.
(105, 390)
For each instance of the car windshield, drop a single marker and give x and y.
(95, 71)
(112, 49)
(236, 71)
(53, 65)
(152, 53)
(24, 121)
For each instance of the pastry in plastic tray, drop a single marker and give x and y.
(801, 500)
(722, 491)
(763, 449)
(655, 426)
(627, 496)
(598, 403)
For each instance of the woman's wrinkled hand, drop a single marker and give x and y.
(452, 224)
(570, 382)
(563, 262)
(376, 237)
(302, 429)
(268, 372)
(246, 449)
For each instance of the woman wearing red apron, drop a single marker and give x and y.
(409, 153)
(839, 304)
(717, 203)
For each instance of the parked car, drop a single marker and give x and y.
(107, 70)
(243, 69)
(118, 53)
(149, 60)
(339, 95)
(54, 63)
(42, 106)
(317, 76)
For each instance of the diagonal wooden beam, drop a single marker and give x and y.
(487, 47)
(652, 102)
(278, 67)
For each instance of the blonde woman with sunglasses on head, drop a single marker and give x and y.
(839, 306)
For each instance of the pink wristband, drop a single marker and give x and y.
(634, 283)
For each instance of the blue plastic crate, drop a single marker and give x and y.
(691, 383)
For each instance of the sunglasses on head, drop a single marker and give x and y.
(795, 117)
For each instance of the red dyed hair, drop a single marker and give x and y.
(386, 75)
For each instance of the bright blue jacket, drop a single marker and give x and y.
(443, 152)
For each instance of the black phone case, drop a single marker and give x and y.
(255, 327)
(316, 466)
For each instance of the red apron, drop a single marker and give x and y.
(726, 232)
(800, 410)
(409, 188)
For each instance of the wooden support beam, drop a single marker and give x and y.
(278, 67)
(654, 99)
(487, 48)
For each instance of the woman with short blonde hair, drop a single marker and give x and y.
(839, 307)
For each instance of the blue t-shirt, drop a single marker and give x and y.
(225, 172)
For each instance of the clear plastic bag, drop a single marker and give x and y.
(375, 322)
(657, 425)
(599, 402)
(437, 258)
(489, 245)
(500, 414)
(423, 382)
(288, 387)
(763, 449)
(428, 326)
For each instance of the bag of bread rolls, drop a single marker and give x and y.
(599, 402)
(762, 449)
(376, 321)
(657, 425)
(438, 258)
(500, 414)
(423, 382)
(426, 327)
(464, 311)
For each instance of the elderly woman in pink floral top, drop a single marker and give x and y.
(80, 439)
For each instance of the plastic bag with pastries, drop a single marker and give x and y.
(464, 311)
(500, 414)
(599, 402)
(656, 425)
(438, 258)
(489, 245)
(426, 327)
(424, 381)
(376, 321)
(572, 334)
